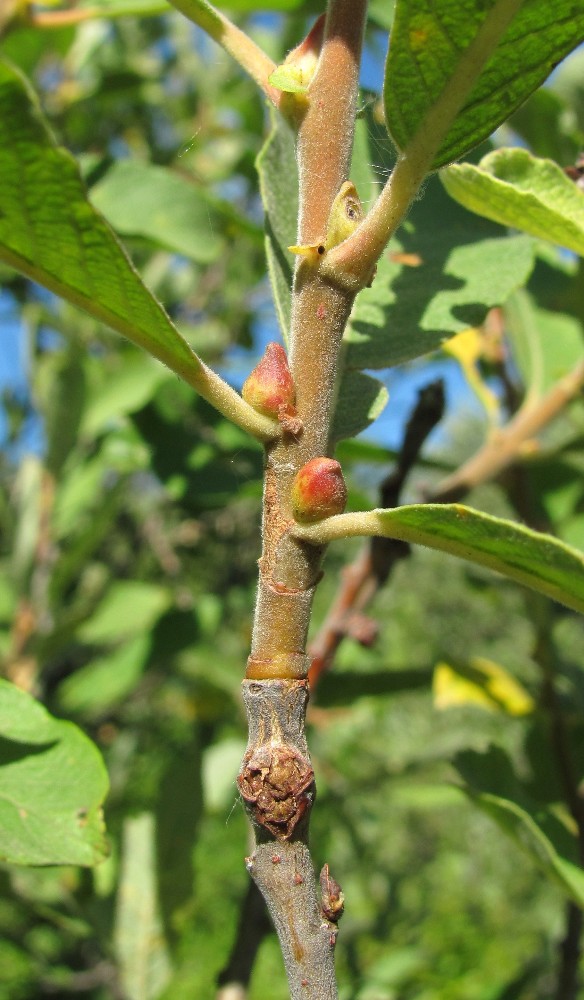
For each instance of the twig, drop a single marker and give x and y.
(236, 42)
(281, 776)
(276, 778)
(505, 446)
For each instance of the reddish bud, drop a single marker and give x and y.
(319, 490)
(270, 388)
(332, 898)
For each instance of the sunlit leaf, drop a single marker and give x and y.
(439, 276)
(533, 559)
(429, 43)
(51, 233)
(44, 821)
(129, 607)
(480, 682)
(514, 188)
(49, 230)
(105, 680)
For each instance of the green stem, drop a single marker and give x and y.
(236, 42)
(351, 262)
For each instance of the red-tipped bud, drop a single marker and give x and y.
(270, 388)
(318, 490)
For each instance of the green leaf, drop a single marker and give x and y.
(50, 232)
(128, 608)
(514, 188)
(360, 401)
(288, 79)
(120, 391)
(440, 275)
(518, 45)
(525, 831)
(105, 680)
(533, 559)
(547, 124)
(544, 835)
(139, 199)
(140, 946)
(546, 345)
(179, 811)
(221, 762)
(44, 821)
(276, 165)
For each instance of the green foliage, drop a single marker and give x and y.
(536, 560)
(128, 550)
(428, 48)
(441, 274)
(50, 232)
(514, 188)
(43, 821)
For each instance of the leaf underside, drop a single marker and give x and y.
(514, 188)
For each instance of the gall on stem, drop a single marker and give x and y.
(270, 389)
(318, 491)
(345, 215)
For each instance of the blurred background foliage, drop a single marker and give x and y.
(129, 520)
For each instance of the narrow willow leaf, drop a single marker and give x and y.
(524, 830)
(436, 47)
(141, 950)
(44, 821)
(276, 165)
(480, 682)
(50, 232)
(533, 559)
(517, 189)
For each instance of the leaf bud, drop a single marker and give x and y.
(270, 388)
(318, 490)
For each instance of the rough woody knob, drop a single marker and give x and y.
(318, 491)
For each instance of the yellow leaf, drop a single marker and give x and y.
(467, 347)
(483, 683)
